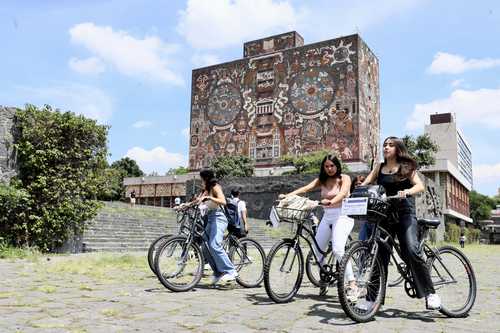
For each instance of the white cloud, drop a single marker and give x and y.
(185, 133)
(472, 107)
(487, 174)
(203, 60)
(457, 83)
(326, 19)
(81, 99)
(142, 124)
(147, 58)
(220, 23)
(446, 63)
(92, 65)
(156, 159)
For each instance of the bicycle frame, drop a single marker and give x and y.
(382, 236)
(296, 241)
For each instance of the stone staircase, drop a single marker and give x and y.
(118, 227)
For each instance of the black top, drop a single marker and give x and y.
(391, 183)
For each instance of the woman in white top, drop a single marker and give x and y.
(334, 186)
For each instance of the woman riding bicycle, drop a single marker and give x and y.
(334, 188)
(397, 174)
(214, 198)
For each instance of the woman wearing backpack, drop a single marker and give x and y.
(213, 197)
(334, 186)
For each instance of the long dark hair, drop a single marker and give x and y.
(407, 165)
(323, 176)
(208, 177)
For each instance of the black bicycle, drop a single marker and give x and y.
(284, 266)
(179, 261)
(451, 272)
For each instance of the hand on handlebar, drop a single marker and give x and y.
(403, 194)
(325, 202)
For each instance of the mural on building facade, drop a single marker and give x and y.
(290, 101)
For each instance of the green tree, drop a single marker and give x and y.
(308, 163)
(178, 171)
(421, 148)
(129, 166)
(60, 156)
(111, 184)
(480, 206)
(232, 166)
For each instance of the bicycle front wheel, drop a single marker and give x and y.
(283, 271)
(454, 281)
(370, 280)
(248, 258)
(179, 264)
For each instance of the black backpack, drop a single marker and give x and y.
(231, 212)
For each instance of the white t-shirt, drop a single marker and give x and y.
(242, 207)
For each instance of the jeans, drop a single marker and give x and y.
(365, 230)
(336, 228)
(214, 233)
(411, 252)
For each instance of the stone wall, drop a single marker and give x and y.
(7, 153)
(260, 193)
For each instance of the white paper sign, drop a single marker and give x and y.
(354, 206)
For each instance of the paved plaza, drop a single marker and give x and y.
(118, 293)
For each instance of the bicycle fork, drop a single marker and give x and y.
(282, 267)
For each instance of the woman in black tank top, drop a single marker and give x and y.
(399, 177)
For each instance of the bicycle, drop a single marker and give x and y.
(179, 261)
(182, 221)
(285, 261)
(448, 266)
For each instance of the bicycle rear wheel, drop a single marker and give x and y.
(312, 267)
(370, 280)
(179, 264)
(248, 258)
(394, 278)
(283, 271)
(454, 281)
(153, 248)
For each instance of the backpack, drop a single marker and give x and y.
(231, 212)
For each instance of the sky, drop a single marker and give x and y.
(128, 63)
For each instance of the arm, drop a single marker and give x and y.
(218, 197)
(372, 176)
(244, 218)
(417, 187)
(304, 189)
(344, 191)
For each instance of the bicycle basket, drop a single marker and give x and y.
(377, 210)
(292, 215)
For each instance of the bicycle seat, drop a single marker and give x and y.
(429, 223)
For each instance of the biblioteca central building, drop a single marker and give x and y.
(285, 97)
(282, 97)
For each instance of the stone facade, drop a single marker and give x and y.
(7, 153)
(287, 98)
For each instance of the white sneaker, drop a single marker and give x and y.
(215, 279)
(364, 305)
(433, 302)
(352, 294)
(228, 277)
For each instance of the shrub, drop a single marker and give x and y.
(60, 156)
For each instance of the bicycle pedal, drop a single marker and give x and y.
(323, 290)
